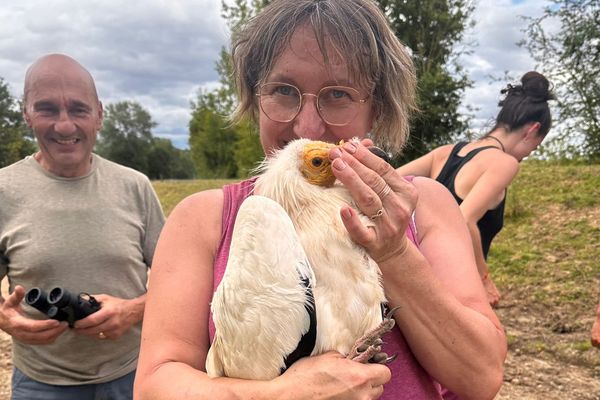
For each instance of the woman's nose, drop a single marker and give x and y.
(308, 123)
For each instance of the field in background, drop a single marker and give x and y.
(172, 192)
(546, 263)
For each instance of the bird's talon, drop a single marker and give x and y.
(390, 359)
(379, 358)
(390, 313)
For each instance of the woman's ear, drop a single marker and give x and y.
(531, 130)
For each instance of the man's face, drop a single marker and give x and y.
(65, 115)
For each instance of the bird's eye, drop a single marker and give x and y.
(317, 162)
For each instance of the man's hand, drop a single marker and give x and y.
(115, 317)
(23, 329)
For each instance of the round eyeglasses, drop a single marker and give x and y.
(337, 105)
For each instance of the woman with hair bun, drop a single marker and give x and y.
(478, 173)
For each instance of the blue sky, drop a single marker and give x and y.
(161, 52)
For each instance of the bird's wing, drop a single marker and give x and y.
(260, 308)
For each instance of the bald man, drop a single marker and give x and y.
(70, 218)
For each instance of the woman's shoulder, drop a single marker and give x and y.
(490, 158)
(199, 210)
(432, 194)
(200, 200)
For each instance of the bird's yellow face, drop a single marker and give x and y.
(316, 165)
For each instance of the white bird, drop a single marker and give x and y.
(291, 258)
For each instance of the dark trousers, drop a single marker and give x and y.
(25, 388)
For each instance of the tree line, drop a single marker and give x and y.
(434, 32)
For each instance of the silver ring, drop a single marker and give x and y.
(386, 190)
(101, 335)
(378, 214)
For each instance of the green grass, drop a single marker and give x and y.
(550, 243)
(171, 192)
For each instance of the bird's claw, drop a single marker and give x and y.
(368, 348)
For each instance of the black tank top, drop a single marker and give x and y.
(492, 221)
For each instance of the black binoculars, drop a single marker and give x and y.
(61, 305)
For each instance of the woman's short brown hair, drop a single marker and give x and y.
(358, 31)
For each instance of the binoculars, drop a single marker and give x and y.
(61, 305)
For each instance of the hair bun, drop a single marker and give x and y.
(533, 85)
(536, 86)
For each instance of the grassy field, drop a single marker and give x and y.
(172, 192)
(551, 241)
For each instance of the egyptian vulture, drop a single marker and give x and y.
(295, 283)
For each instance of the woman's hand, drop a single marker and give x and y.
(381, 194)
(493, 295)
(333, 376)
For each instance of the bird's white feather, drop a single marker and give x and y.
(259, 307)
(348, 293)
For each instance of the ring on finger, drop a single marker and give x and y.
(101, 335)
(378, 214)
(385, 191)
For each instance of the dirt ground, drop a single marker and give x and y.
(531, 373)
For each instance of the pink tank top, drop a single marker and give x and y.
(409, 379)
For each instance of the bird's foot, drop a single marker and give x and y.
(368, 348)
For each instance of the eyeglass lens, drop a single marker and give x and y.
(337, 105)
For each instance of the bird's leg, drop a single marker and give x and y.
(368, 348)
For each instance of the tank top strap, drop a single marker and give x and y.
(233, 196)
(445, 174)
(454, 163)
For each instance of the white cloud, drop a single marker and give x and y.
(499, 27)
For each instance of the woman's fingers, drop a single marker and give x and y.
(374, 184)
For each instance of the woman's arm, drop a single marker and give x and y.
(422, 166)
(493, 295)
(455, 334)
(443, 312)
(175, 338)
(489, 188)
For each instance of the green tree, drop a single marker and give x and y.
(570, 58)
(433, 30)
(212, 139)
(126, 135)
(220, 149)
(16, 141)
(248, 150)
(126, 138)
(165, 161)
